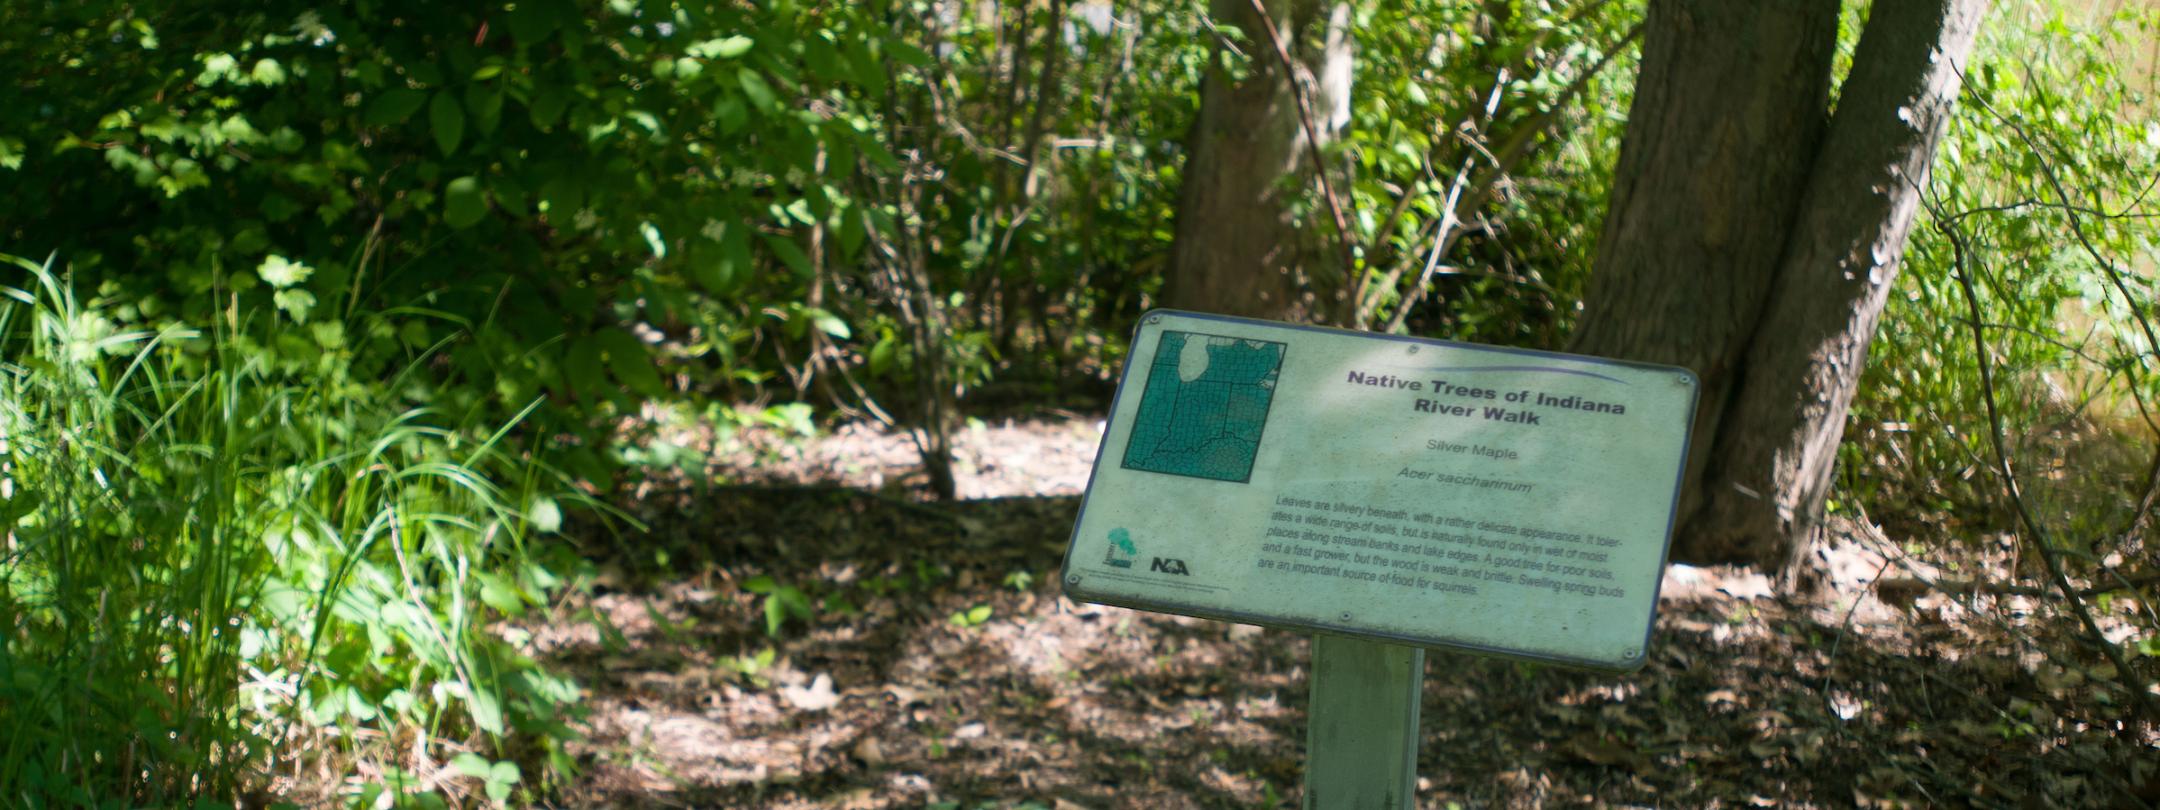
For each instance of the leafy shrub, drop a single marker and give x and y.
(2046, 92)
(220, 551)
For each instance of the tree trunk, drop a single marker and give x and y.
(1238, 250)
(1788, 410)
(1754, 243)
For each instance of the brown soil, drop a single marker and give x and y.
(891, 694)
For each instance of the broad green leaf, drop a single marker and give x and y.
(790, 254)
(484, 102)
(486, 709)
(500, 779)
(721, 267)
(499, 593)
(823, 59)
(723, 48)
(587, 372)
(907, 53)
(545, 515)
(280, 272)
(760, 93)
(393, 107)
(467, 763)
(464, 203)
(531, 22)
(295, 303)
(631, 361)
(830, 324)
(564, 197)
(547, 105)
(447, 121)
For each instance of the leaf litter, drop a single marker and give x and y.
(881, 698)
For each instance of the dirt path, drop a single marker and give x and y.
(939, 666)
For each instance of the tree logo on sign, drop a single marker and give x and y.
(1121, 551)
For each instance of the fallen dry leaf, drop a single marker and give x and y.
(817, 697)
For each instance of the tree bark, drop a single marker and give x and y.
(1772, 465)
(1752, 239)
(1238, 250)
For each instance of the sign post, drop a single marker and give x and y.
(1361, 737)
(1388, 494)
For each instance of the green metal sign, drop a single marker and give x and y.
(1411, 491)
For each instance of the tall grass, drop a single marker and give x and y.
(220, 556)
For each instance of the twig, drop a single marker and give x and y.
(2049, 555)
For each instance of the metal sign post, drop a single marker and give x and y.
(1387, 494)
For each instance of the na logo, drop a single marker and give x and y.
(1170, 565)
(1121, 552)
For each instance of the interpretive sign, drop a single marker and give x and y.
(1419, 492)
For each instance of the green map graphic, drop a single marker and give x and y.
(1206, 401)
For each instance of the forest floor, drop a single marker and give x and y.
(940, 666)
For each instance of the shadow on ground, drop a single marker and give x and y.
(942, 665)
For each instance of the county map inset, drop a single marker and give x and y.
(1206, 401)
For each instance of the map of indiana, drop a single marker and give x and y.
(1205, 405)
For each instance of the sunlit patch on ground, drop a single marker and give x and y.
(958, 673)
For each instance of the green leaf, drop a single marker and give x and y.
(759, 584)
(830, 324)
(907, 53)
(587, 371)
(530, 23)
(720, 267)
(470, 764)
(393, 107)
(545, 515)
(484, 102)
(497, 592)
(547, 104)
(823, 59)
(761, 93)
(280, 272)
(775, 616)
(267, 72)
(295, 303)
(790, 254)
(499, 779)
(724, 48)
(447, 121)
(631, 361)
(464, 203)
(485, 708)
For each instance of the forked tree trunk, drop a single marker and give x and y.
(1238, 249)
(1755, 245)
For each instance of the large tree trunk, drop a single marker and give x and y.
(1787, 413)
(1237, 249)
(1753, 244)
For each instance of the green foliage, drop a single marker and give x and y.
(2047, 92)
(781, 602)
(971, 617)
(218, 541)
(1513, 111)
(593, 205)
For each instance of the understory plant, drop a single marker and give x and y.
(222, 560)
